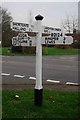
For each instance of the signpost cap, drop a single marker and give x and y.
(39, 17)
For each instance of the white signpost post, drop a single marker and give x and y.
(38, 86)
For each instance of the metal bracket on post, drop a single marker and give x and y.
(38, 87)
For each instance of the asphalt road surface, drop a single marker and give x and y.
(21, 69)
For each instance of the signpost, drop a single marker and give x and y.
(24, 40)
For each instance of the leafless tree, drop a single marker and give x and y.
(70, 24)
(6, 19)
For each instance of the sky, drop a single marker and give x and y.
(53, 12)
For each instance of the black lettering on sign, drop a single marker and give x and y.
(30, 43)
(14, 41)
(15, 23)
(24, 41)
(28, 38)
(54, 41)
(46, 40)
(64, 41)
(61, 35)
(49, 40)
(57, 38)
(58, 34)
(24, 35)
(51, 34)
(19, 42)
(20, 24)
(16, 28)
(45, 30)
(23, 29)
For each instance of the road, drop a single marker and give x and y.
(21, 69)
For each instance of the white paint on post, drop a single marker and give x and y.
(38, 57)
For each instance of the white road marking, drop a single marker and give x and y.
(71, 83)
(20, 76)
(33, 78)
(7, 74)
(53, 81)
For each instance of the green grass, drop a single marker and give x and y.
(0, 104)
(56, 104)
(0, 50)
(46, 51)
(6, 52)
(59, 51)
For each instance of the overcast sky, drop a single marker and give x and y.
(54, 12)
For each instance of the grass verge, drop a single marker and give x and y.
(59, 51)
(6, 52)
(56, 104)
(46, 51)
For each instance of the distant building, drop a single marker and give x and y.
(76, 36)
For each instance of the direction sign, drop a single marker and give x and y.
(24, 40)
(60, 40)
(21, 27)
(56, 35)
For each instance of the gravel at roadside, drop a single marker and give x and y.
(45, 86)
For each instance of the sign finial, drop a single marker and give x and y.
(39, 17)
